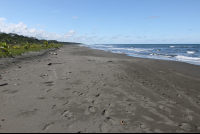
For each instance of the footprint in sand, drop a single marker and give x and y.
(47, 126)
(189, 117)
(49, 83)
(161, 106)
(103, 113)
(186, 127)
(144, 127)
(91, 109)
(97, 95)
(76, 93)
(94, 102)
(66, 113)
(40, 97)
(113, 122)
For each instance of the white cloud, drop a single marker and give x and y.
(22, 29)
(40, 25)
(70, 34)
(95, 28)
(2, 19)
(75, 17)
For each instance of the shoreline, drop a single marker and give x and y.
(114, 48)
(169, 63)
(89, 90)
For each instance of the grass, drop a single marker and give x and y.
(19, 49)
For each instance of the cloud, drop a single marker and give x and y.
(190, 29)
(2, 19)
(40, 25)
(75, 17)
(95, 28)
(70, 34)
(22, 29)
(152, 17)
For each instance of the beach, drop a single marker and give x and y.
(78, 89)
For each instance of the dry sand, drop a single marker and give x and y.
(86, 90)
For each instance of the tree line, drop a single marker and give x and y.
(15, 39)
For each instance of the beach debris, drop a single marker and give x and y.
(110, 61)
(4, 84)
(53, 53)
(49, 64)
(178, 95)
(122, 122)
(2, 120)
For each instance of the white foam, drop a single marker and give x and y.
(140, 49)
(188, 58)
(172, 46)
(191, 52)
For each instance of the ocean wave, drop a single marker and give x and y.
(187, 58)
(191, 52)
(131, 49)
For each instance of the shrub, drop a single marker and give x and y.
(5, 49)
(16, 47)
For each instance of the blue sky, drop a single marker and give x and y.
(104, 21)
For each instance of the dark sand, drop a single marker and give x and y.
(85, 90)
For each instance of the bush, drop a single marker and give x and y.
(5, 49)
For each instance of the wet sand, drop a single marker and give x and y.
(86, 90)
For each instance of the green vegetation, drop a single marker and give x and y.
(13, 44)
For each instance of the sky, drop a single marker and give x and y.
(104, 21)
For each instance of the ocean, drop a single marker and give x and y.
(189, 53)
